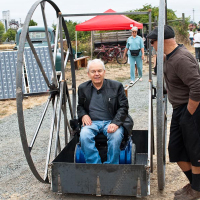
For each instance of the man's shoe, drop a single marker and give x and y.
(189, 195)
(140, 79)
(131, 82)
(183, 190)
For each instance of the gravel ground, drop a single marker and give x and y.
(16, 179)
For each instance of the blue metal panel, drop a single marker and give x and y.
(8, 65)
(35, 78)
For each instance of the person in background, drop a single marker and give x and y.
(197, 45)
(182, 77)
(191, 35)
(102, 108)
(135, 43)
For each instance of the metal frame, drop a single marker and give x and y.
(59, 93)
(161, 98)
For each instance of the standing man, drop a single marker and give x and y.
(182, 77)
(102, 108)
(197, 45)
(135, 49)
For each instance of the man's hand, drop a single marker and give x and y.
(142, 56)
(86, 120)
(192, 106)
(112, 128)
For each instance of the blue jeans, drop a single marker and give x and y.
(191, 41)
(139, 63)
(91, 153)
(197, 53)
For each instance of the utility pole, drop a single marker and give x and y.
(193, 15)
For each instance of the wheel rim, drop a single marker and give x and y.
(58, 93)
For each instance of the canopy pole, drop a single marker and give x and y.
(91, 43)
(76, 44)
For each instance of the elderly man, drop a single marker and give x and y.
(182, 76)
(102, 108)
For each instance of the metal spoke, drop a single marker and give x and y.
(54, 79)
(40, 123)
(50, 138)
(69, 101)
(38, 60)
(72, 68)
(59, 117)
(61, 47)
(56, 40)
(64, 109)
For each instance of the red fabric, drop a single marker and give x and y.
(108, 22)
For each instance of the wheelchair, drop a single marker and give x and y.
(127, 150)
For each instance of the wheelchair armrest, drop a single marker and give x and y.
(75, 125)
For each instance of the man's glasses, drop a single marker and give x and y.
(134, 31)
(152, 41)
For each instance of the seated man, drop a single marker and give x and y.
(102, 108)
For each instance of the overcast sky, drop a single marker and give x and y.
(19, 8)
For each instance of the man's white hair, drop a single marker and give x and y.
(95, 61)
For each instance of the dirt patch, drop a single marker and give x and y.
(6, 47)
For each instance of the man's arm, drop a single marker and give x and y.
(190, 77)
(122, 111)
(125, 52)
(81, 112)
(142, 49)
(192, 106)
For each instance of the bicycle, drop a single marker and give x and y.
(109, 53)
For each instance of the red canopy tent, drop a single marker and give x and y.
(108, 22)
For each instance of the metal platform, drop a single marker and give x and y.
(102, 179)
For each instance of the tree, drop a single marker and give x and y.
(179, 26)
(2, 29)
(9, 35)
(32, 23)
(82, 35)
(154, 14)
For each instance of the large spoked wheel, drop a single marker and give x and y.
(53, 131)
(161, 145)
(103, 56)
(120, 58)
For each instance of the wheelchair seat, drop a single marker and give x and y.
(127, 148)
(127, 151)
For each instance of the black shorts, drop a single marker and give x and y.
(184, 143)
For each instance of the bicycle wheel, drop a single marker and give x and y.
(103, 57)
(120, 58)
